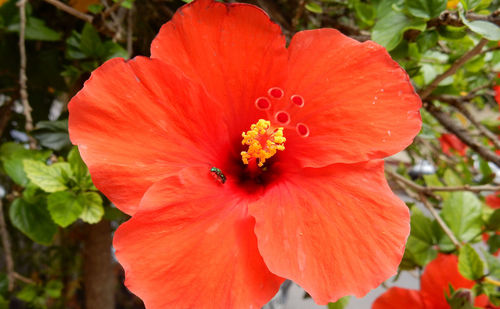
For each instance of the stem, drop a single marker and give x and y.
(425, 92)
(68, 9)
(492, 281)
(9, 262)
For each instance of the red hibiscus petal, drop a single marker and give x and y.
(437, 277)
(193, 247)
(335, 231)
(399, 298)
(233, 49)
(134, 125)
(359, 103)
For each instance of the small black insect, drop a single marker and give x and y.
(218, 175)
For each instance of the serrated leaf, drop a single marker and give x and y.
(421, 227)
(494, 243)
(33, 220)
(420, 252)
(64, 207)
(52, 134)
(90, 41)
(49, 178)
(15, 170)
(462, 213)
(389, 30)
(425, 8)
(484, 28)
(470, 264)
(93, 210)
(36, 30)
(493, 264)
(77, 165)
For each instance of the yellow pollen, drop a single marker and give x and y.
(261, 144)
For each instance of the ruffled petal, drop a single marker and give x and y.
(359, 103)
(493, 200)
(192, 246)
(134, 123)
(235, 50)
(335, 231)
(437, 277)
(399, 298)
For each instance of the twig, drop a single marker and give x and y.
(23, 90)
(425, 92)
(492, 281)
(452, 126)
(9, 262)
(457, 103)
(439, 220)
(68, 9)
(298, 14)
(111, 9)
(130, 29)
(421, 189)
(23, 278)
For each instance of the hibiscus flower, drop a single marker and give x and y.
(243, 162)
(452, 142)
(434, 288)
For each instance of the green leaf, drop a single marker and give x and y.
(53, 289)
(389, 30)
(339, 304)
(494, 243)
(426, 40)
(493, 264)
(92, 207)
(494, 221)
(90, 41)
(421, 227)
(314, 7)
(15, 170)
(420, 252)
(51, 178)
(451, 179)
(95, 8)
(470, 264)
(64, 207)
(365, 11)
(76, 163)
(28, 293)
(481, 27)
(462, 213)
(36, 30)
(33, 220)
(425, 8)
(52, 134)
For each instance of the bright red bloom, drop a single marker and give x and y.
(434, 286)
(497, 93)
(217, 223)
(493, 200)
(450, 141)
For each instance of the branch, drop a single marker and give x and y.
(9, 262)
(68, 9)
(457, 102)
(421, 197)
(440, 221)
(452, 126)
(421, 189)
(451, 18)
(425, 92)
(23, 90)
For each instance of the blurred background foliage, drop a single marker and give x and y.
(56, 228)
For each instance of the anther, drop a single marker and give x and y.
(297, 100)
(263, 142)
(275, 92)
(282, 117)
(302, 129)
(263, 103)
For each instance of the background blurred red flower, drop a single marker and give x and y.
(434, 286)
(450, 141)
(154, 133)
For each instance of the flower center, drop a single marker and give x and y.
(263, 142)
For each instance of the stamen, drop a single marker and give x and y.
(297, 100)
(263, 142)
(263, 103)
(282, 117)
(302, 129)
(276, 92)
